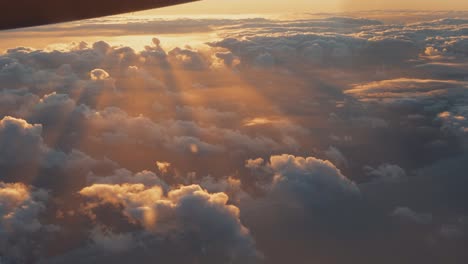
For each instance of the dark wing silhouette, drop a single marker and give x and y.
(27, 13)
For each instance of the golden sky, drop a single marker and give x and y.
(278, 6)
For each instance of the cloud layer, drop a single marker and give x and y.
(314, 139)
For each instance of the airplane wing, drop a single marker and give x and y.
(28, 13)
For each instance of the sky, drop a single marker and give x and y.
(278, 6)
(175, 137)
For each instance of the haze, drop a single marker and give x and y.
(277, 6)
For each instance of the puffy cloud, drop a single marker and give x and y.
(303, 199)
(301, 177)
(52, 109)
(188, 214)
(304, 184)
(230, 186)
(21, 142)
(20, 207)
(24, 157)
(17, 102)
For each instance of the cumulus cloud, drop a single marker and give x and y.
(306, 184)
(299, 178)
(20, 208)
(26, 158)
(230, 186)
(21, 142)
(186, 214)
(302, 198)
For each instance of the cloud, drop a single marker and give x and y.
(306, 184)
(184, 216)
(162, 166)
(401, 90)
(122, 176)
(175, 135)
(24, 157)
(98, 74)
(20, 207)
(336, 157)
(299, 177)
(406, 214)
(214, 121)
(20, 226)
(455, 121)
(190, 59)
(21, 142)
(230, 186)
(303, 198)
(386, 173)
(254, 163)
(451, 232)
